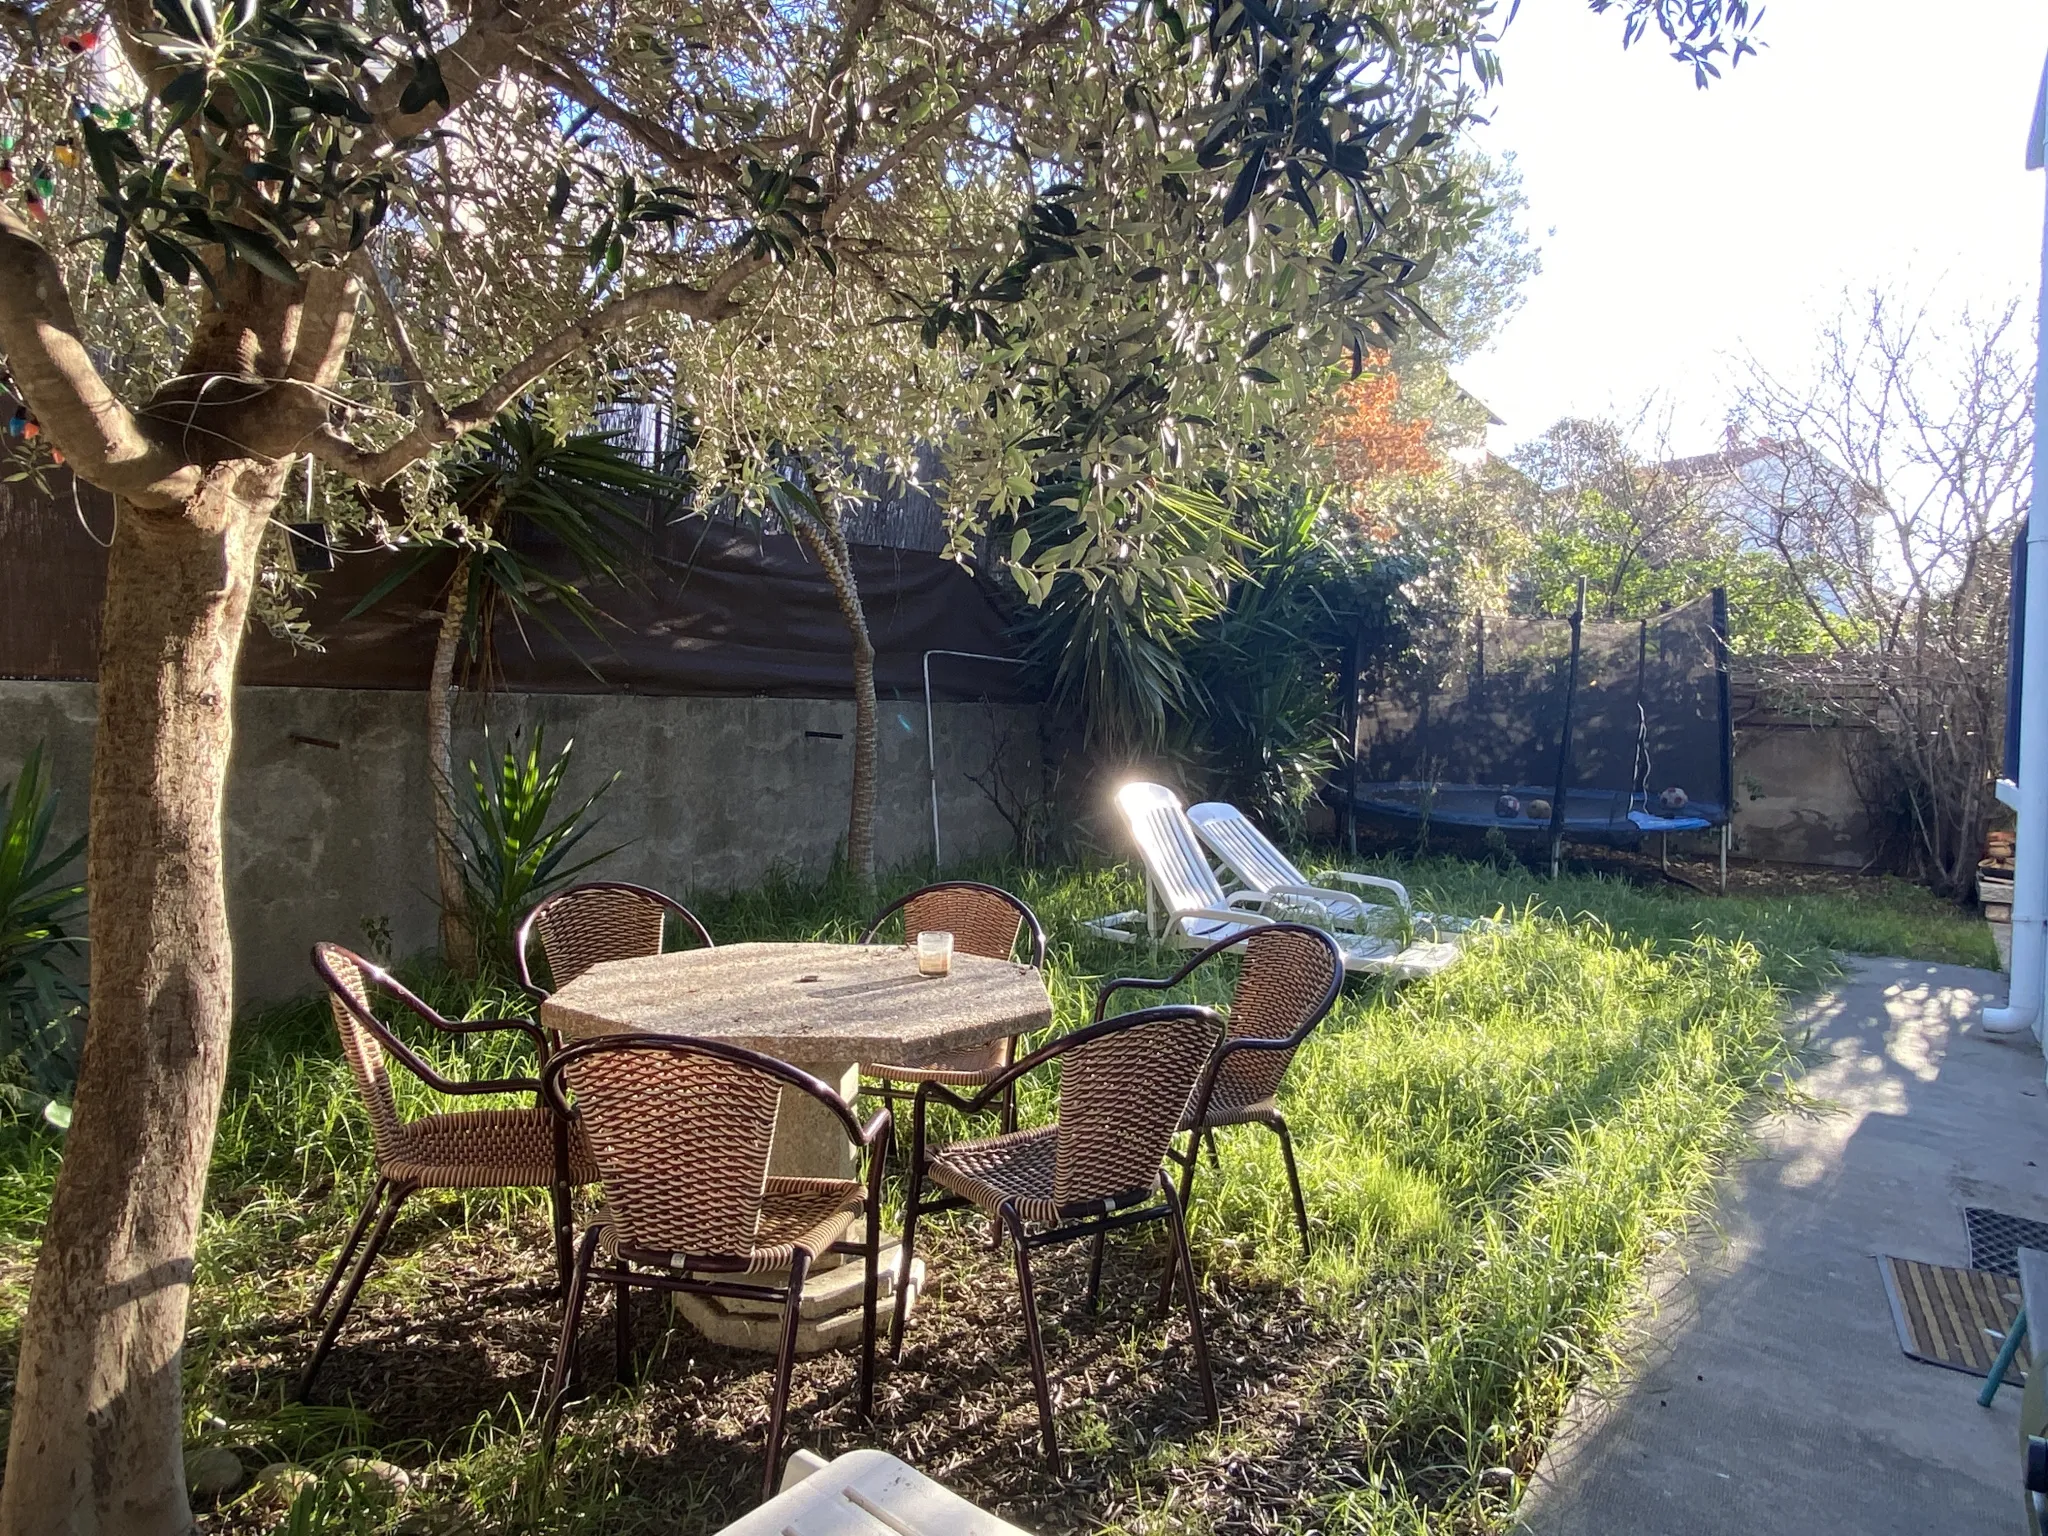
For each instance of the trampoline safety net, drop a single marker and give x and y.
(1623, 723)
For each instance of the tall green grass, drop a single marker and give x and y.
(1489, 1156)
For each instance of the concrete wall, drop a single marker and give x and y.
(327, 808)
(1796, 799)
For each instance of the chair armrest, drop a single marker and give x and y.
(1121, 983)
(1225, 915)
(481, 1085)
(1369, 882)
(1322, 894)
(525, 1027)
(878, 1129)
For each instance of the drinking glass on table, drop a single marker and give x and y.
(934, 953)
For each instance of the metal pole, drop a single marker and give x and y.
(2030, 844)
(1564, 737)
(931, 735)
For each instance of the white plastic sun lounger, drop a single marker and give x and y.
(1186, 906)
(1373, 903)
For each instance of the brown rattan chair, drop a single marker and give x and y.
(1124, 1089)
(467, 1149)
(984, 920)
(597, 921)
(680, 1129)
(1289, 978)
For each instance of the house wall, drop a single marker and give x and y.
(327, 811)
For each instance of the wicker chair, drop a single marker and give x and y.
(469, 1149)
(681, 1129)
(1124, 1089)
(984, 920)
(1289, 979)
(594, 922)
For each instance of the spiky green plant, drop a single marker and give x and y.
(512, 854)
(41, 997)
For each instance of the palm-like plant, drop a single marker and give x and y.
(40, 1000)
(576, 492)
(1121, 584)
(511, 848)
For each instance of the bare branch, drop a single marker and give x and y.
(103, 439)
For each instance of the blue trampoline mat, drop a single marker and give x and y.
(1587, 812)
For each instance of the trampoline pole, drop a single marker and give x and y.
(1724, 858)
(1564, 737)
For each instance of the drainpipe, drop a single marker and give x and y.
(2022, 1010)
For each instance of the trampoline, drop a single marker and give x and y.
(1602, 731)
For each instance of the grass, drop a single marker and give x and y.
(1490, 1158)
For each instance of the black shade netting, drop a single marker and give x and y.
(1471, 735)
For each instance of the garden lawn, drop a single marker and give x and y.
(1489, 1158)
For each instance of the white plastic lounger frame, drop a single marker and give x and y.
(1186, 906)
(1254, 860)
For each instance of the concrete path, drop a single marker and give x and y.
(1765, 1391)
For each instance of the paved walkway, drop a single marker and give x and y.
(1766, 1392)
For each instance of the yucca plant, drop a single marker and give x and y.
(584, 492)
(510, 853)
(40, 897)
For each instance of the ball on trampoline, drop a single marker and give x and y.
(1507, 805)
(1673, 799)
(1539, 810)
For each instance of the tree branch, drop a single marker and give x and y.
(710, 303)
(103, 440)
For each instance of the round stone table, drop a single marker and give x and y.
(823, 1007)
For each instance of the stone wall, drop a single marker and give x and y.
(327, 810)
(1795, 797)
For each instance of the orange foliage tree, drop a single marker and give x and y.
(1369, 440)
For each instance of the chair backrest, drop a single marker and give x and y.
(1123, 1093)
(1242, 848)
(350, 982)
(983, 919)
(600, 920)
(681, 1129)
(1174, 864)
(1289, 977)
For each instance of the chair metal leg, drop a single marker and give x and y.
(394, 1197)
(622, 1332)
(348, 1249)
(1215, 1157)
(1293, 1180)
(565, 1235)
(1033, 1342)
(1188, 1164)
(904, 1256)
(554, 1386)
(2014, 1337)
(1186, 1256)
(1095, 1270)
(785, 1364)
(870, 1297)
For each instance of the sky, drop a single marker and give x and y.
(1869, 142)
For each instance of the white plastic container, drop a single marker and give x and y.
(864, 1493)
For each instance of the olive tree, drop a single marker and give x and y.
(336, 229)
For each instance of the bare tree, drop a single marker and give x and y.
(1891, 481)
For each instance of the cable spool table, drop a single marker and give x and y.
(825, 1008)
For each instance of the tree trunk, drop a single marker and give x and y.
(828, 545)
(458, 939)
(96, 1445)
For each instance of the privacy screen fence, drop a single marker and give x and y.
(1597, 730)
(716, 608)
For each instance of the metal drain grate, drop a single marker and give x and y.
(1996, 1239)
